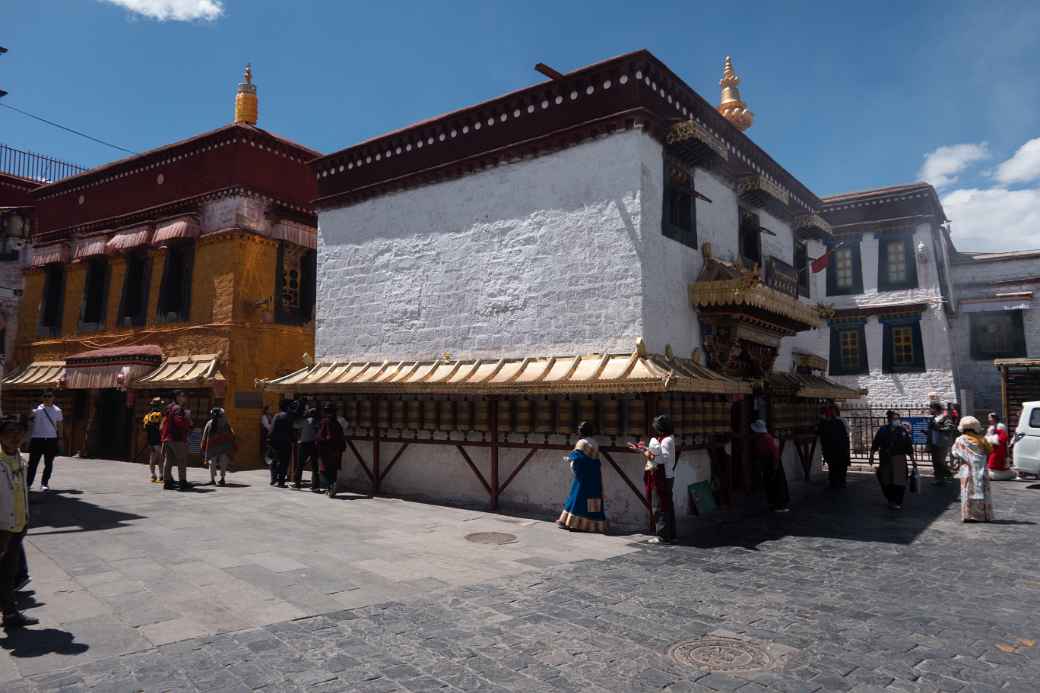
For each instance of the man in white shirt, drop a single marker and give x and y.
(46, 424)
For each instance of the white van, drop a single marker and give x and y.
(1026, 450)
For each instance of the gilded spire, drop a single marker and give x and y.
(731, 107)
(246, 106)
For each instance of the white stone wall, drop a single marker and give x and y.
(893, 388)
(981, 378)
(542, 256)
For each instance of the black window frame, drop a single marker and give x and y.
(836, 365)
(677, 195)
(53, 299)
(857, 271)
(308, 288)
(1017, 341)
(185, 249)
(909, 257)
(749, 226)
(888, 364)
(801, 267)
(139, 318)
(92, 317)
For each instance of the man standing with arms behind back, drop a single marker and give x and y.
(175, 428)
(46, 432)
(942, 430)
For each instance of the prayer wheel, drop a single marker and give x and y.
(429, 414)
(397, 418)
(464, 415)
(413, 415)
(364, 417)
(446, 415)
(611, 417)
(543, 415)
(382, 414)
(482, 424)
(524, 418)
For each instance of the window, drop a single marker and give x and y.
(750, 238)
(175, 290)
(1034, 418)
(897, 266)
(296, 284)
(133, 306)
(903, 351)
(53, 301)
(848, 349)
(997, 334)
(801, 266)
(95, 295)
(843, 271)
(679, 214)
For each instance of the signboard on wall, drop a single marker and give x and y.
(918, 428)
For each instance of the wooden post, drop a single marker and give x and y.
(377, 480)
(650, 411)
(1005, 410)
(493, 421)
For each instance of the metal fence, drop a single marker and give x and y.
(35, 166)
(864, 421)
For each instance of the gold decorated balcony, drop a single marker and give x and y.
(695, 144)
(746, 297)
(758, 191)
(812, 226)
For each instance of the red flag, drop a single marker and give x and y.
(821, 262)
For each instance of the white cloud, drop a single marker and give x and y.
(173, 10)
(1024, 166)
(994, 219)
(942, 166)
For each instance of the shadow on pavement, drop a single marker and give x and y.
(64, 512)
(36, 643)
(856, 513)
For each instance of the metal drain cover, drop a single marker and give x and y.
(722, 654)
(496, 538)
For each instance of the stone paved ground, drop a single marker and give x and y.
(839, 595)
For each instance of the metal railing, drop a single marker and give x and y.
(34, 166)
(863, 423)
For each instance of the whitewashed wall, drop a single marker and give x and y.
(886, 388)
(537, 257)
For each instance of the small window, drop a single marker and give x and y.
(175, 290)
(997, 335)
(95, 295)
(848, 350)
(679, 212)
(53, 301)
(897, 267)
(903, 350)
(296, 284)
(1034, 418)
(844, 276)
(801, 266)
(750, 238)
(133, 307)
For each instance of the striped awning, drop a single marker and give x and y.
(293, 232)
(112, 367)
(591, 373)
(201, 370)
(38, 375)
(49, 254)
(129, 239)
(90, 247)
(181, 227)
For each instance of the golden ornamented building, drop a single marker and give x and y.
(190, 266)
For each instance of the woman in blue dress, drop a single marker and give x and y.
(583, 510)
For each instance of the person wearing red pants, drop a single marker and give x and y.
(659, 477)
(14, 519)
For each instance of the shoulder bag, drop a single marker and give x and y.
(59, 448)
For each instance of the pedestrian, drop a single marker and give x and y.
(942, 430)
(14, 520)
(331, 445)
(218, 444)
(970, 452)
(280, 443)
(834, 443)
(266, 421)
(659, 478)
(46, 422)
(997, 437)
(583, 510)
(894, 448)
(153, 434)
(307, 449)
(765, 454)
(174, 431)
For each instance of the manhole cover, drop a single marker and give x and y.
(491, 538)
(721, 654)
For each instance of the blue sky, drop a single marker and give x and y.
(847, 95)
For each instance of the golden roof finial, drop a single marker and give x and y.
(246, 105)
(730, 106)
